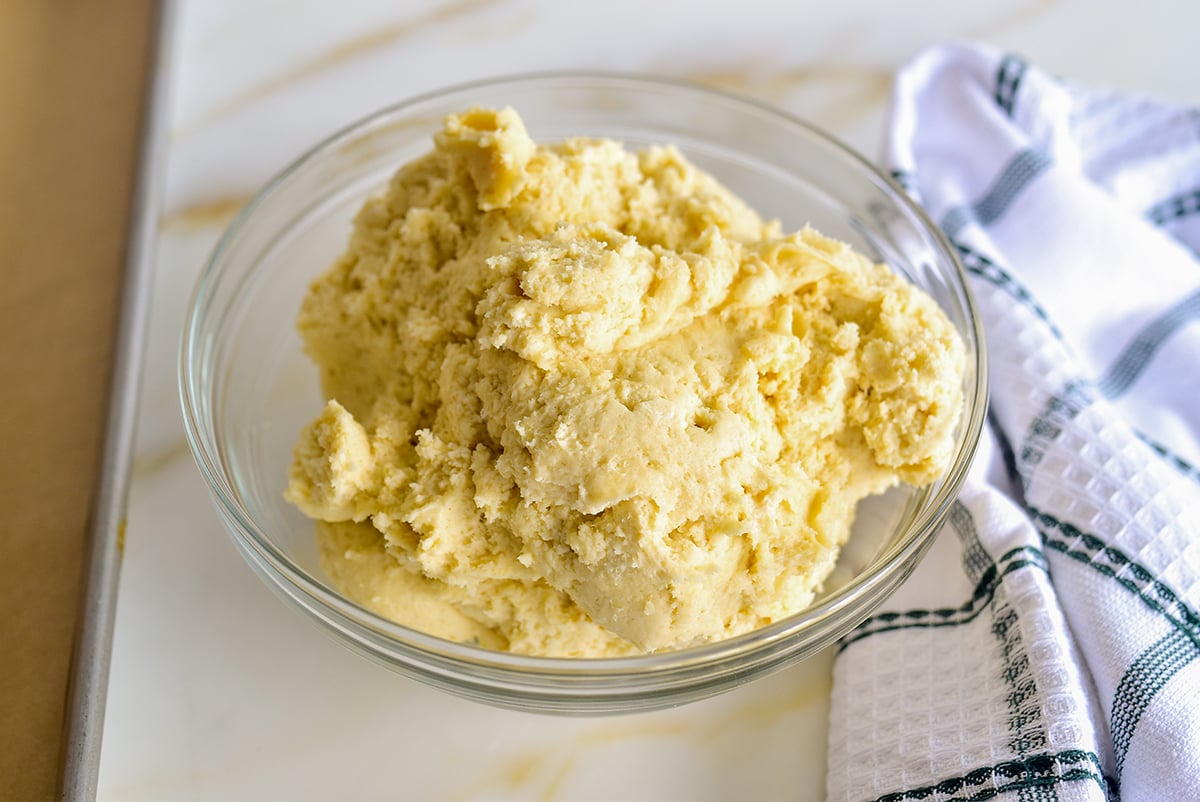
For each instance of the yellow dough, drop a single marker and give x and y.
(586, 402)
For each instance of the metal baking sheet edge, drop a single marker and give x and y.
(83, 725)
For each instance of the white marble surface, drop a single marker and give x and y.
(218, 691)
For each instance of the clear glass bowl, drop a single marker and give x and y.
(247, 389)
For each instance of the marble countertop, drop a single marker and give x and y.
(218, 691)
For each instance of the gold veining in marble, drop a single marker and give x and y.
(542, 773)
(545, 771)
(157, 460)
(1010, 18)
(215, 213)
(376, 39)
(834, 94)
(761, 716)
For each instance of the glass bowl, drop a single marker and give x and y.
(247, 389)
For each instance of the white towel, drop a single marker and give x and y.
(1048, 648)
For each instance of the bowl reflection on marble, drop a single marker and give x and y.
(247, 389)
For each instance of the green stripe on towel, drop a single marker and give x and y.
(1110, 561)
(1144, 678)
(1175, 207)
(1024, 557)
(1036, 771)
(1011, 181)
(1137, 355)
(981, 266)
(1008, 82)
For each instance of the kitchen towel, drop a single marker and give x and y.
(1048, 647)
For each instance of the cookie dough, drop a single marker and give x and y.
(584, 401)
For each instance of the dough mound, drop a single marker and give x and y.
(585, 402)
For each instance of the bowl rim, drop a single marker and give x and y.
(879, 571)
